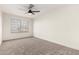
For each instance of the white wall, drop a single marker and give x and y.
(7, 35)
(60, 26)
(0, 27)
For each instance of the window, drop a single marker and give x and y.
(24, 26)
(19, 25)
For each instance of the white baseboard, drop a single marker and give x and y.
(18, 38)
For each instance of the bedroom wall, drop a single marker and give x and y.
(0, 27)
(59, 26)
(7, 35)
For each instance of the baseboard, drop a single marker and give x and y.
(17, 38)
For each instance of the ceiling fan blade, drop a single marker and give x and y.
(30, 6)
(35, 11)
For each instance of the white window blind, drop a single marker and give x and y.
(19, 25)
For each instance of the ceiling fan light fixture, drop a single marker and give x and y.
(29, 14)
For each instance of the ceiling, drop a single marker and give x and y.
(18, 9)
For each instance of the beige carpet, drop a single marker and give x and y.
(34, 46)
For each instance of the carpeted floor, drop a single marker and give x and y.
(34, 46)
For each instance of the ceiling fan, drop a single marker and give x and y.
(31, 10)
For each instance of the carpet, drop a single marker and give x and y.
(34, 46)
